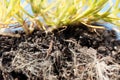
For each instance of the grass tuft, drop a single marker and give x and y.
(7, 10)
(58, 13)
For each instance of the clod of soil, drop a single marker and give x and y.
(74, 53)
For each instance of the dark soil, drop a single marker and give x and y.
(65, 54)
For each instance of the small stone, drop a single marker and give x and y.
(102, 49)
(115, 47)
(114, 53)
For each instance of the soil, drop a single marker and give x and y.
(73, 53)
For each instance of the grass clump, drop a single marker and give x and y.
(58, 13)
(85, 62)
(7, 10)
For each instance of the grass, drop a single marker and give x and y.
(7, 10)
(62, 12)
(58, 13)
